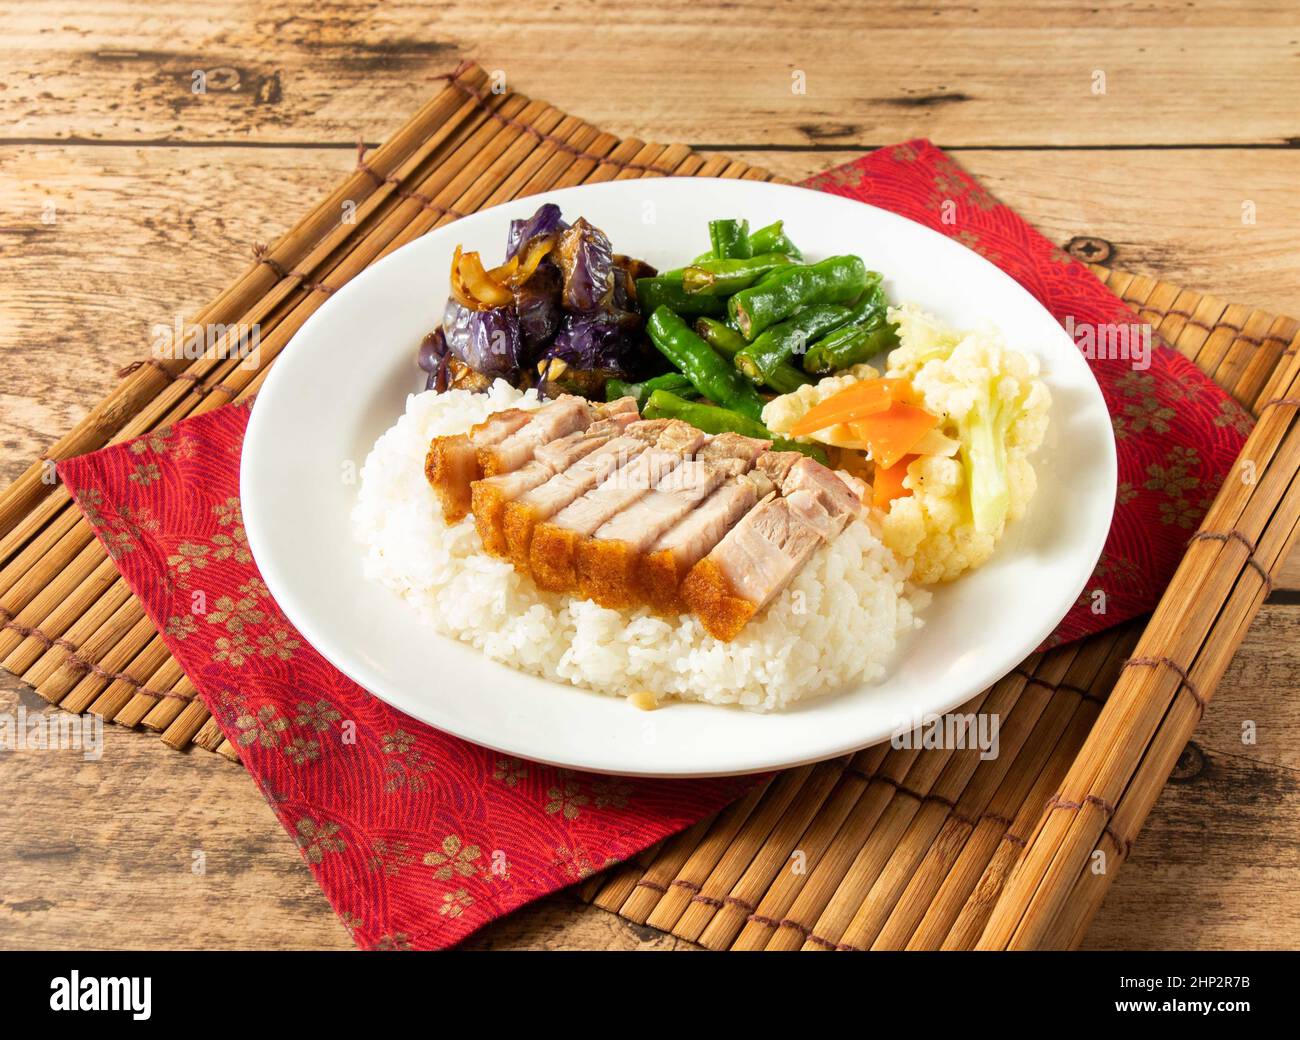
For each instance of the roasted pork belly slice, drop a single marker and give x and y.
(776, 464)
(552, 555)
(523, 514)
(733, 453)
(669, 558)
(547, 499)
(565, 415)
(681, 437)
(556, 454)
(820, 498)
(607, 563)
(622, 406)
(747, 569)
(491, 495)
(452, 463)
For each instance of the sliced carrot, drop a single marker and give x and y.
(894, 432)
(865, 397)
(888, 482)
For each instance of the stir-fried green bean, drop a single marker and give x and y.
(666, 291)
(720, 336)
(674, 381)
(724, 277)
(849, 346)
(786, 379)
(728, 342)
(730, 239)
(770, 239)
(837, 280)
(773, 239)
(712, 375)
(762, 359)
(864, 335)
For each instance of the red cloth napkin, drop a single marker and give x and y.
(418, 838)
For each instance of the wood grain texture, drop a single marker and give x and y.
(1008, 74)
(98, 244)
(126, 198)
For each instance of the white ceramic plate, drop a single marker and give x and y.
(344, 380)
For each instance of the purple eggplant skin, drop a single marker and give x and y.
(486, 341)
(591, 349)
(433, 359)
(539, 309)
(591, 341)
(587, 260)
(543, 222)
(432, 349)
(574, 321)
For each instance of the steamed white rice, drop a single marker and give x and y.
(836, 624)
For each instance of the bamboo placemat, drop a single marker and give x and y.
(883, 849)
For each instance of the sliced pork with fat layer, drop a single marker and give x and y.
(607, 563)
(592, 499)
(753, 562)
(491, 494)
(733, 452)
(452, 463)
(677, 550)
(565, 415)
(552, 555)
(777, 464)
(542, 502)
(820, 498)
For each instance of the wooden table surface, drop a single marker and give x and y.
(126, 198)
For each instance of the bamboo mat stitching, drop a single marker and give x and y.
(1237, 536)
(425, 202)
(74, 658)
(1177, 669)
(261, 255)
(1057, 802)
(1035, 680)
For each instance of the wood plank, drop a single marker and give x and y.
(1179, 890)
(1019, 73)
(102, 854)
(1256, 710)
(138, 236)
(1220, 851)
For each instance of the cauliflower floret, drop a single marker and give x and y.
(932, 526)
(992, 401)
(921, 337)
